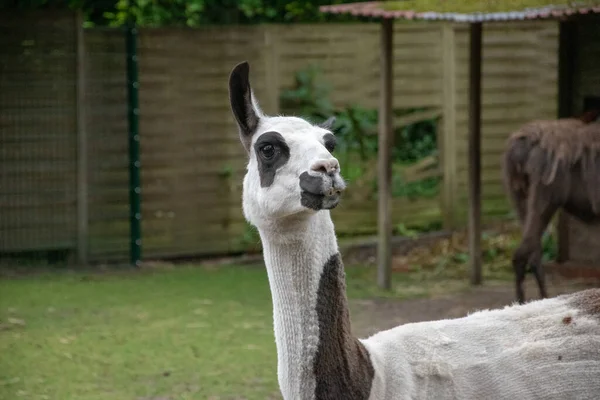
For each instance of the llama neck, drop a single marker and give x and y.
(318, 358)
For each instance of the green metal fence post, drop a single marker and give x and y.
(135, 188)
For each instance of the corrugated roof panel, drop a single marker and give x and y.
(376, 9)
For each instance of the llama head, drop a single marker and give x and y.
(290, 171)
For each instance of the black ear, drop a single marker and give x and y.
(328, 124)
(240, 98)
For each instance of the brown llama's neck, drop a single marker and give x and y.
(318, 357)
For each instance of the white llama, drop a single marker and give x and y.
(546, 349)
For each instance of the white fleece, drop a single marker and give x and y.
(545, 349)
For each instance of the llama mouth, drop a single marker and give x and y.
(319, 201)
(320, 192)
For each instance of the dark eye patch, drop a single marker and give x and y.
(330, 141)
(272, 152)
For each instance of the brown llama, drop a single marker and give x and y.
(548, 165)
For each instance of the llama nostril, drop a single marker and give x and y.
(320, 168)
(328, 167)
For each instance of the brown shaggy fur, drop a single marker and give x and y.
(549, 165)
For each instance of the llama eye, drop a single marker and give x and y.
(268, 151)
(329, 142)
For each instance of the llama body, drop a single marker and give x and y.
(550, 165)
(547, 349)
(533, 351)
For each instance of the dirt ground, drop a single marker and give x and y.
(371, 316)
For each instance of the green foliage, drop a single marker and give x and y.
(460, 257)
(402, 230)
(191, 13)
(310, 96)
(498, 247)
(226, 171)
(357, 128)
(549, 247)
(25, 4)
(250, 238)
(415, 141)
(184, 12)
(429, 187)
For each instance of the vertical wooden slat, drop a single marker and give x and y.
(448, 145)
(271, 35)
(475, 61)
(82, 146)
(384, 220)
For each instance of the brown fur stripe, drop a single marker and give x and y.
(342, 366)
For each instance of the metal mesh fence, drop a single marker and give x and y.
(63, 141)
(38, 136)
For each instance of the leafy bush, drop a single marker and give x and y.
(415, 141)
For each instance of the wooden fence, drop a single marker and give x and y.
(192, 162)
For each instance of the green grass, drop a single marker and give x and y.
(186, 333)
(180, 333)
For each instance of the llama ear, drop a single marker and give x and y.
(243, 106)
(328, 124)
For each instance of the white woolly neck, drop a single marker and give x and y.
(295, 253)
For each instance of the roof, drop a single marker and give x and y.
(466, 11)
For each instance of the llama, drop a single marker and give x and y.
(546, 349)
(549, 164)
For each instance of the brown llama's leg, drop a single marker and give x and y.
(520, 202)
(520, 256)
(519, 279)
(538, 271)
(540, 209)
(518, 197)
(516, 187)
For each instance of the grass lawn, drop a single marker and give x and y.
(188, 332)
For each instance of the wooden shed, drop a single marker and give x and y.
(579, 86)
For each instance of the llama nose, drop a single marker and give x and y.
(329, 166)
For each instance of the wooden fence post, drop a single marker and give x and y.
(271, 57)
(386, 137)
(448, 126)
(82, 145)
(475, 61)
